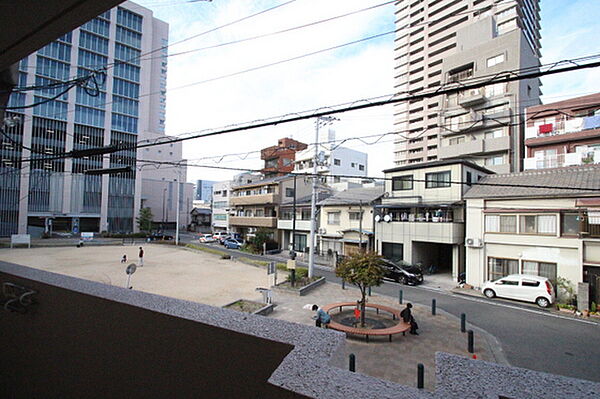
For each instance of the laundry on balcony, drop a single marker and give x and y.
(573, 125)
(591, 122)
(545, 128)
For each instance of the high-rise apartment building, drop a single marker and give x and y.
(444, 41)
(203, 191)
(41, 193)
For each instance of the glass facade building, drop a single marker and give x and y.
(42, 192)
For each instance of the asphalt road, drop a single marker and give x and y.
(530, 337)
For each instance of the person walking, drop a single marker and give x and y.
(141, 256)
(407, 317)
(322, 318)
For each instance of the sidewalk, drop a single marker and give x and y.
(397, 360)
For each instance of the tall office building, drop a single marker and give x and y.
(203, 191)
(124, 107)
(444, 41)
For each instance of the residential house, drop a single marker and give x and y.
(346, 222)
(550, 226)
(301, 228)
(422, 216)
(256, 205)
(564, 133)
(200, 220)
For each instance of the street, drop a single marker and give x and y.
(530, 338)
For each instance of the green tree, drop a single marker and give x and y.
(261, 237)
(363, 269)
(145, 219)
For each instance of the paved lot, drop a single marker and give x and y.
(206, 278)
(167, 270)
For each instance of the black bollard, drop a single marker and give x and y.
(343, 284)
(400, 297)
(369, 291)
(433, 307)
(420, 376)
(470, 341)
(293, 277)
(352, 362)
(463, 322)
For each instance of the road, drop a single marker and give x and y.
(530, 338)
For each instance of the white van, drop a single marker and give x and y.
(522, 287)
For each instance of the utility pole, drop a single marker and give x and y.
(293, 240)
(177, 209)
(313, 202)
(360, 215)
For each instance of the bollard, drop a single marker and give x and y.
(470, 341)
(463, 322)
(343, 284)
(433, 307)
(352, 362)
(369, 291)
(420, 375)
(400, 297)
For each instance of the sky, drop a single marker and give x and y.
(347, 74)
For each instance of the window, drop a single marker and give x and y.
(500, 223)
(469, 178)
(496, 160)
(337, 162)
(494, 134)
(300, 242)
(392, 251)
(530, 283)
(289, 192)
(498, 268)
(494, 90)
(569, 224)
(306, 214)
(543, 269)
(456, 140)
(333, 218)
(495, 60)
(437, 180)
(402, 183)
(353, 165)
(259, 213)
(538, 224)
(355, 215)
(286, 161)
(287, 214)
(361, 167)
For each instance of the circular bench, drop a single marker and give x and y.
(401, 327)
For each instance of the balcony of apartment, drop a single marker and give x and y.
(581, 157)
(434, 224)
(301, 224)
(471, 97)
(563, 130)
(254, 199)
(253, 221)
(463, 148)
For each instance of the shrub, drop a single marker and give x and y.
(594, 307)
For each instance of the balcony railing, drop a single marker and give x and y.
(563, 126)
(560, 160)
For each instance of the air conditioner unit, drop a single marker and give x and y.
(474, 242)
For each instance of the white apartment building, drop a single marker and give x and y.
(338, 161)
(56, 192)
(221, 192)
(444, 41)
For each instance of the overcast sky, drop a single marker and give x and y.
(354, 72)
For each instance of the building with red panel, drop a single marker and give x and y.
(564, 133)
(279, 159)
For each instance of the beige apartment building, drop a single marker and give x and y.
(422, 217)
(552, 231)
(256, 205)
(445, 41)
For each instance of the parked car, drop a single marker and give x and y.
(160, 236)
(232, 243)
(403, 272)
(522, 287)
(235, 236)
(220, 234)
(206, 238)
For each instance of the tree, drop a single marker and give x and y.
(262, 236)
(363, 269)
(145, 219)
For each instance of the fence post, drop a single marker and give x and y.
(352, 362)
(470, 341)
(420, 375)
(400, 297)
(463, 322)
(433, 303)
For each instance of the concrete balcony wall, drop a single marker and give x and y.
(270, 222)
(254, 199)
(303, 225)
(497, 144)
(458, 150)
(439, 232)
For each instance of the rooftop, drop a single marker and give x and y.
(571, 181)
(442, 162)
(354, 196)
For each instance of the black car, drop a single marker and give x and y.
(403, 272)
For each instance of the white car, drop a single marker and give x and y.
(522, 287)
(206, 238)
(220, 234)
